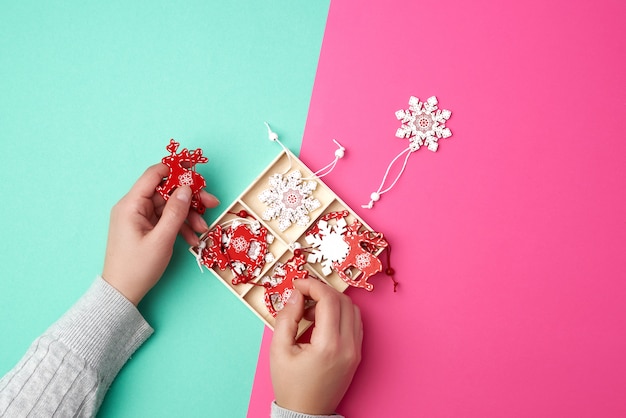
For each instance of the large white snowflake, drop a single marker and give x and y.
(289, 199)
(328, 245)
(423, 123)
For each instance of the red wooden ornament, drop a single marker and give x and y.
(279, 287)
(360, 256)
(239, 247)
(182, 173)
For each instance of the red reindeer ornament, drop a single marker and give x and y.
(279, 286)
(242, 247)
(361, 244)
(182, 173)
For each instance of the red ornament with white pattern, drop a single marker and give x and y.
(279, 287)
(242, 247)
(183, 173)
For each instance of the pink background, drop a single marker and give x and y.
(509, 242)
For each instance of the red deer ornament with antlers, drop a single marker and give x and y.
(279, 286)
(241, 247)
(362, 244)
(182, 173)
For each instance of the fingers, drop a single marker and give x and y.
(189, 235)
(358, 327)
(145, 187)
(173, 217)
(328, 309)
(154, 175)
(197, 222)
(208, 199)
(149, 180)
(335, 316)
(286, 326)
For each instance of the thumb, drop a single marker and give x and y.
(174, 214)
(286, 326)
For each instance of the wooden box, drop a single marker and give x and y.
(251, 295)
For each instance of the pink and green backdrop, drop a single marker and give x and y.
(508, 242)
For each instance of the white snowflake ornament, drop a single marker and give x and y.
(423, 123)
(289, 199)
(328, 245)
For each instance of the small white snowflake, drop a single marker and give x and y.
(363, 261)
(239, 244)
(277, 276)
(186, 179)
(328, 245)
(423, 123)
(289, 200)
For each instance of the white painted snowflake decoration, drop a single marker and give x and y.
(328, 245)
(423, 123)
(289, 199)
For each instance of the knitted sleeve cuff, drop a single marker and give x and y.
(104, 328)
(280, 412)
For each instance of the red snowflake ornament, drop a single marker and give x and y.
(182, 173)
(241, 247)
(279, 286)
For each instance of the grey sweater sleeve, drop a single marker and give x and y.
(67, 371)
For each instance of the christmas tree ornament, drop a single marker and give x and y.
(182, 172)
(240, 245)
(341, 247)
(423, 124)
(279, 285)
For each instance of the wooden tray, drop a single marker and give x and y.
(253, 296)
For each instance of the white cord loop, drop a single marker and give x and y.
(375, 196)
(339, 154)
(201, 247)
(273, 136)
(326, 170)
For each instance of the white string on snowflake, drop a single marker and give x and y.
(423, 123)
(290, 196)
(339, 154)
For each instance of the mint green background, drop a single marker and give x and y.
(90, 95)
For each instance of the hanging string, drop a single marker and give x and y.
(339, 153)
(231, 222)
(375, 196)
(273, 136)
(201, 248)
(390, 271)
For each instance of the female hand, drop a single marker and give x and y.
(142, 231)
(312, 378)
